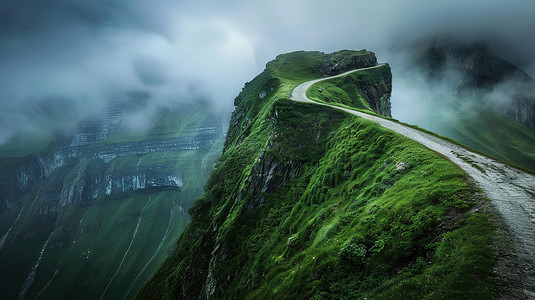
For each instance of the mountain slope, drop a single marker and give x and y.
(509, 189)
(312, 202)
(495, 134)
(95, 213)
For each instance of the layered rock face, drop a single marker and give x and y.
(474, 69)
(95, 183)
(76, 151)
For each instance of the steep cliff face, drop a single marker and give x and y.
(307, 201)
(19, 175)
(102, 185)
(474, 69)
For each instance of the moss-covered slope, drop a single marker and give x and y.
(307, 201)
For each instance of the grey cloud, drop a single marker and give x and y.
(88, 52)
(149, 71)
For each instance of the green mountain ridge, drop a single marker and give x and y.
(310, 202)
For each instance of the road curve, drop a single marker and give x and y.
(510, 190)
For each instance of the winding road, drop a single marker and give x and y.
(511, 191)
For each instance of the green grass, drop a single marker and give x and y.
(297, 67)
(454, 255)
(342, 92)
(368, 213)
(24, 144)
(345, 90)
(357, 196)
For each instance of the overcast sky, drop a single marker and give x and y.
(60, 59)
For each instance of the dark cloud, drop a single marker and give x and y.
(88, 52)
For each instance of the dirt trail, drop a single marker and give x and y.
(511, 191)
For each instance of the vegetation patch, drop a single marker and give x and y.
(470, 161)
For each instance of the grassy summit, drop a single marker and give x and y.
(310, 202)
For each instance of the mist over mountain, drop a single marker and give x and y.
(465, 90)
(448, 65)
(60, 61)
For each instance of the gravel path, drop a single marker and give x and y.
(511, 191)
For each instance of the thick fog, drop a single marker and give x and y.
(62, 59)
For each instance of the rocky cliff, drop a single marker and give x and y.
(346, 60)
(96, 186)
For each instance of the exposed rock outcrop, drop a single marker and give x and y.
(268, 174)
(339, 62)
(378, 94)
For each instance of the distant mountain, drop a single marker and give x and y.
(466, 91)
(95, 213)
(481, 72)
